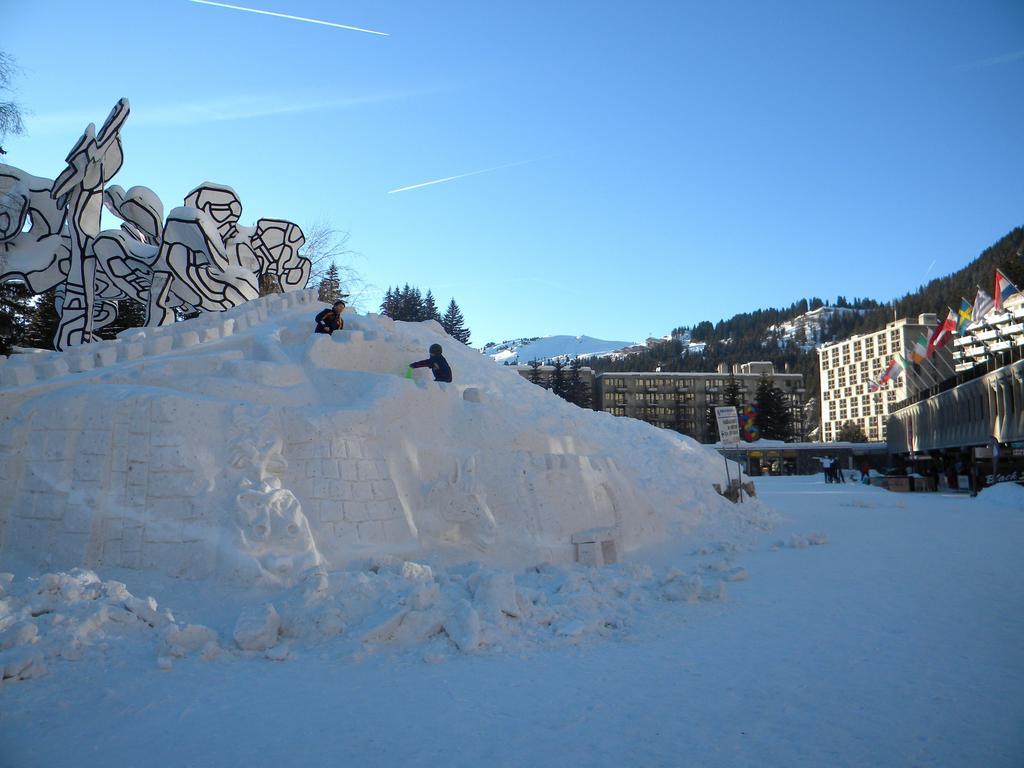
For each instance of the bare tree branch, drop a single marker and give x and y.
(327, 245)
(10, 113)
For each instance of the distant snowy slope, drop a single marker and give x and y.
(809, 330)
(551, 347)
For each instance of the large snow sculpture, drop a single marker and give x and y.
(199, 260)
(92, 162)
(40, 256)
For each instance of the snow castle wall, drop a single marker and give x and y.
(240, 444)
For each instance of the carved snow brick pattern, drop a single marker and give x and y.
(269, 520)
(356, 503)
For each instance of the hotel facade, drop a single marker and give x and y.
(680, 401)
(847, 368)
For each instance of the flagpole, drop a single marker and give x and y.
(936, 349)
(921, 369)
(917, 379)
(942, 376)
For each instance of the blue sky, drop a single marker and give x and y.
(657, 163)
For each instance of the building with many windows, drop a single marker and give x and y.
(973, 422)
(847, 368)
(680, 401)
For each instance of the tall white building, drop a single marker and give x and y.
(846, 367)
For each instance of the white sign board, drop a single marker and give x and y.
(728, 424)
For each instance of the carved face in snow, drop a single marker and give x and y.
(275, 531)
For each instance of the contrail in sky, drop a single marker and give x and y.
(929, 268)
(460, 176)
(288, 16)
(1006, 58)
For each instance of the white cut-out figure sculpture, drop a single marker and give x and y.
(90, 165)
(40, 256)
(140, 209)
(127, 256)
(192, 266)
(201, 259)
(276, 245)
(221, 204)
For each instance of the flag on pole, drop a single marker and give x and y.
(1004, 289)
(919, 350)
(942, 334)
(896, 366)
(983, 304)
(963, 315)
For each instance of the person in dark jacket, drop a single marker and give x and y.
(436, 363)
(329, 320)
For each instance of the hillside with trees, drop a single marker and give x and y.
(754, 336)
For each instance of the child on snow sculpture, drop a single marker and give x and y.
(329, 320)
(436, 363)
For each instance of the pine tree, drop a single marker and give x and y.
(130, 314)
(15, 313)
(578, 389)
(535, 377)
(430, 308)
(412, 305)
(406, 304)
(712, 422)
(851, 432)
(43, 324)
(390, 304)
(453, 323)
(772, 411)
(732, 394)
(329, 289)
(558, 380)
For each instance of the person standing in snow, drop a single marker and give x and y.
(329, 320)
(837, 470)
(826, 468)
(436, 363)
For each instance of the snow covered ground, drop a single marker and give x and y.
(867, 628)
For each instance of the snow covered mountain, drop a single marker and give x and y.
(522, 351)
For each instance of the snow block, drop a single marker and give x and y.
(595, 546)
(80, 362)
(104, 354)
(462, 625)
(257, 628)
(185, 339)
(51, 369)
(209, 334)
(130, 350)
(17, 375)
(159, 345)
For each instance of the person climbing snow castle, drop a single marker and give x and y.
(436, 363)
(329, 320)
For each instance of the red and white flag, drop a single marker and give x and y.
(943, 334)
